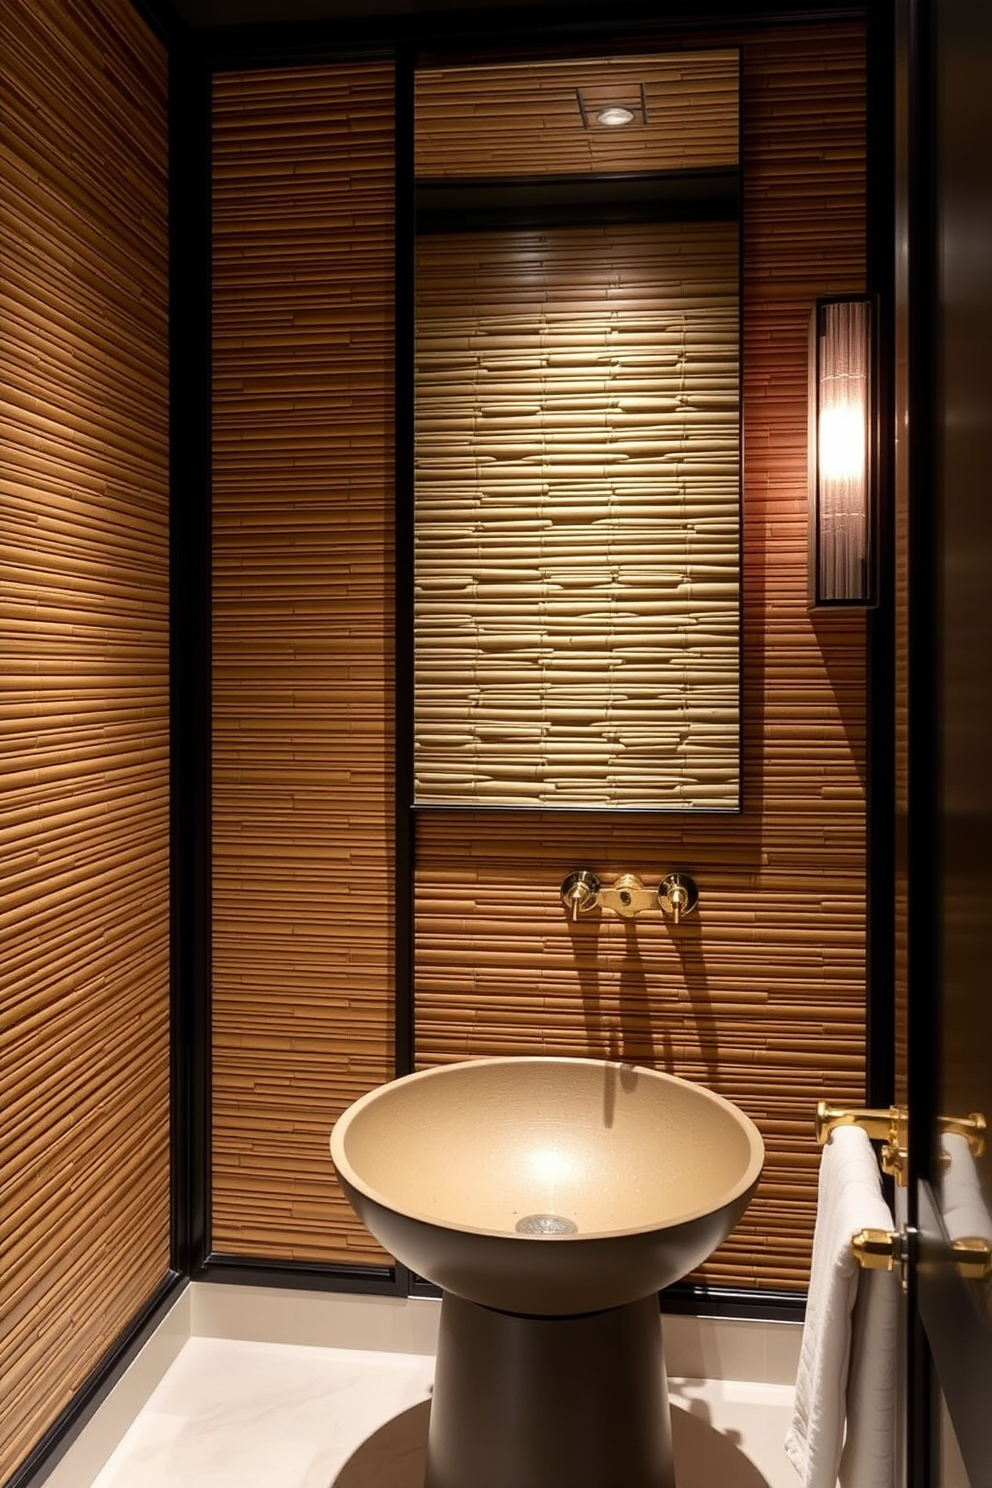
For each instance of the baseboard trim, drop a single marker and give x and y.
(82, 1438)
(742, 1349)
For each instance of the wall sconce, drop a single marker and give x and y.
(841, 506)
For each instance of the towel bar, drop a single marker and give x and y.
(881, 1250)
(889, 1126)
(880, 1125)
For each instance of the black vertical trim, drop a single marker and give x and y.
(921, 1433)
(880, 620)
(742, 568)
(189, 440)
(405, 230)
(924, 584)
(923, 856)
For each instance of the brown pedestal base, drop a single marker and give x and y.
(526, 1402)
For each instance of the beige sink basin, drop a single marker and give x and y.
(547, 1186)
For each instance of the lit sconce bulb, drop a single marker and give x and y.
(840, 505)
(842, 442)
(615, 116)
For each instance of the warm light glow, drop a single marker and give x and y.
(551, 1166)
(839, 491)
(842, 443)
(615, 116)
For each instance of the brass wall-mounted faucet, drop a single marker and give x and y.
(582, 892)
(677, 895)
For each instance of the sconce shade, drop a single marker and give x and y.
(841, 535)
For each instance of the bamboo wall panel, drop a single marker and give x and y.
(761, 994)
(303, 982)
(577, 501)
(538, 118)
(84, 832)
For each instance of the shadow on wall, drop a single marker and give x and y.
(395, 1456)
(634, 1033)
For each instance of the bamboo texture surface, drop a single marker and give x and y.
(577, 533)
(516, 119)
(761, 993)
(302, 644)
(84, 832)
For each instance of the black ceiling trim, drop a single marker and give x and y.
(493, 34)
(464, 205)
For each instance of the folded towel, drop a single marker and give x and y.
(962, 1202)
(845, 1387)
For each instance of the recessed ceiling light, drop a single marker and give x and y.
(603, 105)
(615, 115)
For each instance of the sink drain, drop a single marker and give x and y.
(546, 1224)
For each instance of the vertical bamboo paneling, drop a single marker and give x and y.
(84, 831)
(761, 994)
(303, 649)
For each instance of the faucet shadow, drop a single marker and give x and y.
(689, 946)
(395, 1456)
(639, 1031)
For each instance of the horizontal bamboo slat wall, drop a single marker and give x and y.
(761, 994)
(84, 831)
(520, 119)
(577, 502)
(303, 983)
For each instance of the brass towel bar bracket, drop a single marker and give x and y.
(882, 1250)
(889, 1126)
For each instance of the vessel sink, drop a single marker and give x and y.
(547, 1187)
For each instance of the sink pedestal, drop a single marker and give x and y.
(531, 1401)
(550, 1200)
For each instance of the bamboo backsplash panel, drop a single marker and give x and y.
(303, 644)
(84, 697)
(762, 993)
(577, 516)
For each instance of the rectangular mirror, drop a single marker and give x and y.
(577, 434)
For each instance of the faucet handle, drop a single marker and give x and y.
(580, 892)
(678, 895)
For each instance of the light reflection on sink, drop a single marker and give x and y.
(623, 1178)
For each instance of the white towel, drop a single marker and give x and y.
(844, 1417)
(962, 1203)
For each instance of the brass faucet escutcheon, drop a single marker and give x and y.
(582, 892)
(627, 896)
(677, 895)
